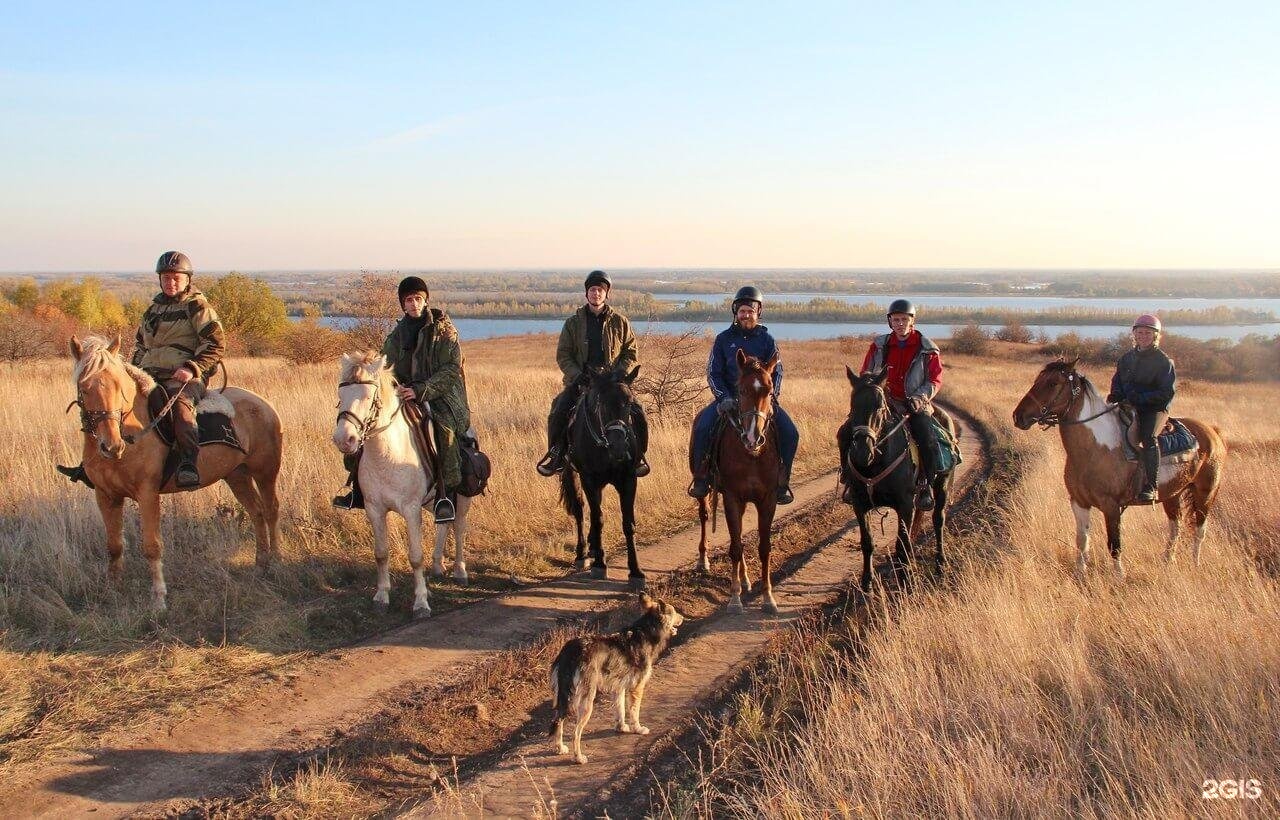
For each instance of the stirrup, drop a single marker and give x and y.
(924, 496)
(642, 468)
(183, 477)
(551, 463)
(445, 511)
(699, 487)
(784, 495)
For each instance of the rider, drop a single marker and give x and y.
(179, 343)
(595, 337)
(746, 334)
(1145, 379)
(423, 354)
(915, 376)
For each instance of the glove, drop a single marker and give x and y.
(727, 405)
(582, 379)
(917, 404)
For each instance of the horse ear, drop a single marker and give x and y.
(630, 377)
(772, 363)
(114, 348)
(74, 347)
(1074, 362)
(853, 377)
(742, 357)
(382, 362)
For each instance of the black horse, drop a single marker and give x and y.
(602, 451)
(874, 455)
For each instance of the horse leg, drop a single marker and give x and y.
(412, 514)
(459, 540)
(1082, 538)
(733, 520)
(1173, 511)
(764, 512)
(940, 492)
(112, 510)
(1112, 517)
(627, 500)
(242, 488)
(266, 486)
(868, 547)
(704, 565)
(153, 547)
(594, 493)
(902, 552)
(378, 523)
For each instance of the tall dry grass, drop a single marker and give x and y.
(1016, 690)
(79, 658)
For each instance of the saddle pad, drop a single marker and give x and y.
(214, 428)
(1177, 444)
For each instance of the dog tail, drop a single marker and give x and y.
(564, 669)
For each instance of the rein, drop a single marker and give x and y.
(1048, 419)
(600, 433)
(91, 419)
(367, 426)
(875, 439)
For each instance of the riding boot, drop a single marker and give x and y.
(641, 427)
(1150, 457)
(701, 481)
(187, 439)
(557, 427)
(924, 494)
(75, 474)
(353, 499)
(784, 485)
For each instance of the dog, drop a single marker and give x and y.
(620, 663)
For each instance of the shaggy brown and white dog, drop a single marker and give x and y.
(620, 664)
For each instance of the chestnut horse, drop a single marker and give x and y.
(749, 465)
(124, 462)
(1097, 473)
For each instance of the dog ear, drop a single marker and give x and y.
(646, 602)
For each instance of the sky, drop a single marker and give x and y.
(260, 136)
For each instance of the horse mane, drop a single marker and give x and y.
(96, 355)
(358, 364)
(1060, 366)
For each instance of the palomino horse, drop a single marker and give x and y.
(748, 468)
(392, 474)
(602, 451)
(875, 454)
(123, 462)
(1097, 473)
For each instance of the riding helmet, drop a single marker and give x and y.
(902, 306)
(412, 284)
(598, 277)
(173, 262)
(1148, 320)
(750, 293)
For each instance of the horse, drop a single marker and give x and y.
(602, 451)
(876, 454)
(393, 474)
(1097, 473)
(749, 466)
(123, 461)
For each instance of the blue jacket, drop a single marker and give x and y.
(722, 367)
(1145, 379)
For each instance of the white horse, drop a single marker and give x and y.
(393, 474)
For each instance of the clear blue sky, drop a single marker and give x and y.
(412, 135)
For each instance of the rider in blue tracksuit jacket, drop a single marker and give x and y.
(722, 376)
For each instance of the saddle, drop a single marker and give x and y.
(1177, 443)
(213, 419)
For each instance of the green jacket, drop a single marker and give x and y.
(619, 343)
(434, 369)
(180, 332)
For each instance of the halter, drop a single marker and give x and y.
(1048, 419)
(367, 427)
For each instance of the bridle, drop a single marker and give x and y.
(366, 427)
(739, 424)
(90, 420)
(876, 438)
(600, 433)
(1047, 418)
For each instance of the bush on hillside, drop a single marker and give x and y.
(969, 339)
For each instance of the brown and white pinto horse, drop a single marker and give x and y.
(1097, 473)
(124, 462)
(749, 467)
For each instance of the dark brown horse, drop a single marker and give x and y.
(124, 462)
(749, 466)
(1097, 473)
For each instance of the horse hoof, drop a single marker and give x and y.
(637, 583)
(734, 607)
(580, 565)
(770, 608)
(704, 565)
(437, 572)
(600, 572)
(460, 578)
(421, 613)
(381, 607)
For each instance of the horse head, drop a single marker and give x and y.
(364, 390)
(1055, 389)
(608, 409)
(755, 405)
(868, 413)
(105, 391)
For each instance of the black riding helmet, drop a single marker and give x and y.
(750, 293)
(173, 262)
(901, 306)
(411, 284)
(598, 277)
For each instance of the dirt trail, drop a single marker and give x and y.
(218, 747)
(534, 780)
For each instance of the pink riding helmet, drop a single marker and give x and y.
(1148, 320)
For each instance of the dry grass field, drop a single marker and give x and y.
(80, 659)
(1015, 690)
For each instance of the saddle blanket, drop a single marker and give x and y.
(1177, 444)
(213, 422)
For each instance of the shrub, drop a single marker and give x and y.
(309, 341)
(970, 339)
(1015, 332)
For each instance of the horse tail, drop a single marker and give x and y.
(715, 498)
(569, 496)
(564, 670)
